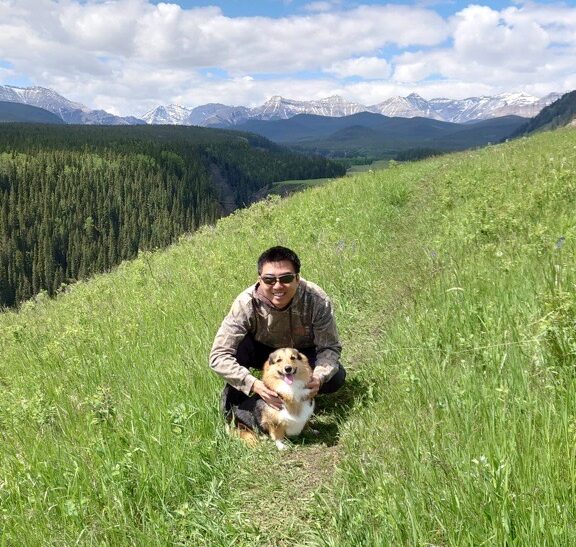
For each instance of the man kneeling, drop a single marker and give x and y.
(280, 310)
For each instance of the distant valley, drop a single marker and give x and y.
(367, 135)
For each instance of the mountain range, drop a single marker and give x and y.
(69, 111)
(278, 108)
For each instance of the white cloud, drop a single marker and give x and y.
(102, 27)
(129, 55)
(365, 67)
(527, 47)
(322, 6)
(483, 36)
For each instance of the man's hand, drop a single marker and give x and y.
(313, 385)
(270, 397)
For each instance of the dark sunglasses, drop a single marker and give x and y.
(284, 279)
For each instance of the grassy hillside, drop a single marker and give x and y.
(453, 281)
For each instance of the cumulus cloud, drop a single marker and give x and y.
(515, 48)
(365, 67)
(129, 55)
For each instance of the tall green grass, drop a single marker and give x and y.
(454, 294)
(472, 439)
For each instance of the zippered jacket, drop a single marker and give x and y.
(308, 322)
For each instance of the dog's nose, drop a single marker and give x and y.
(288, 369)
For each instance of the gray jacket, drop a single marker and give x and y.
(307, 322)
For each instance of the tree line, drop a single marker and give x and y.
(76, 200)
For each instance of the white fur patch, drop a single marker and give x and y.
(295, 422)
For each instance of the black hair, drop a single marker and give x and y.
(278, 254)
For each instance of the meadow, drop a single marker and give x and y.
(453, 281)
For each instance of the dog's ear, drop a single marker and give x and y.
(301, 357)
(272, 357)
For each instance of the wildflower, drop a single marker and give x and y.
(481, 461)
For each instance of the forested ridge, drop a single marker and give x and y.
(76, 200)
(557, 114)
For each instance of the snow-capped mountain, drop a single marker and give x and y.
(69, 111)
(449, 110)
(406, 107)
(483, 108)
(40, 97)
(465, 110)
(215, 114)
(172, 114)
(278, 108)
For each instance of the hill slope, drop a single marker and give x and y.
(375, 135)
(560, 113)
(453, 283)
(16, 112)
(75, 200)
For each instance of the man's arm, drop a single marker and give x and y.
(327, 342)
(223, 361)
(232, 331)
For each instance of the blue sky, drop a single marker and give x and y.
(128, 56)
(284, 8)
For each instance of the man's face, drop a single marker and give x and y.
(280, 294)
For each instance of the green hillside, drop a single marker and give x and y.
(453, 282)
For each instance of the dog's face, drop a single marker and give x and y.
(288, 365)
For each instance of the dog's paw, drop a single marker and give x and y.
(281, 446)
(314, 431)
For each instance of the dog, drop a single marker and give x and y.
(287, 372)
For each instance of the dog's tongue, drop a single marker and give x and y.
(289, 378)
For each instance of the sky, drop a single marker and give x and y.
(128, 56)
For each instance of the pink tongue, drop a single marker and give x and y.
(289, 378)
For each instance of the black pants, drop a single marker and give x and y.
(253, 354)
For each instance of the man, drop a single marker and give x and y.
(280, 310)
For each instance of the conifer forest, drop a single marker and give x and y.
(77, 200)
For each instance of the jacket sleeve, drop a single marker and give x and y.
(326, 340)
(232, 331)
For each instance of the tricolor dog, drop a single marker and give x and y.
(287, 372)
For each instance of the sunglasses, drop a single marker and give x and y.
(284, 279)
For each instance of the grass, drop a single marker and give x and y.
(453, 281)
(375, 165)
(287, 187)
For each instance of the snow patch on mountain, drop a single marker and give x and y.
(172, 114)
(69, 111)
(280, 108)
